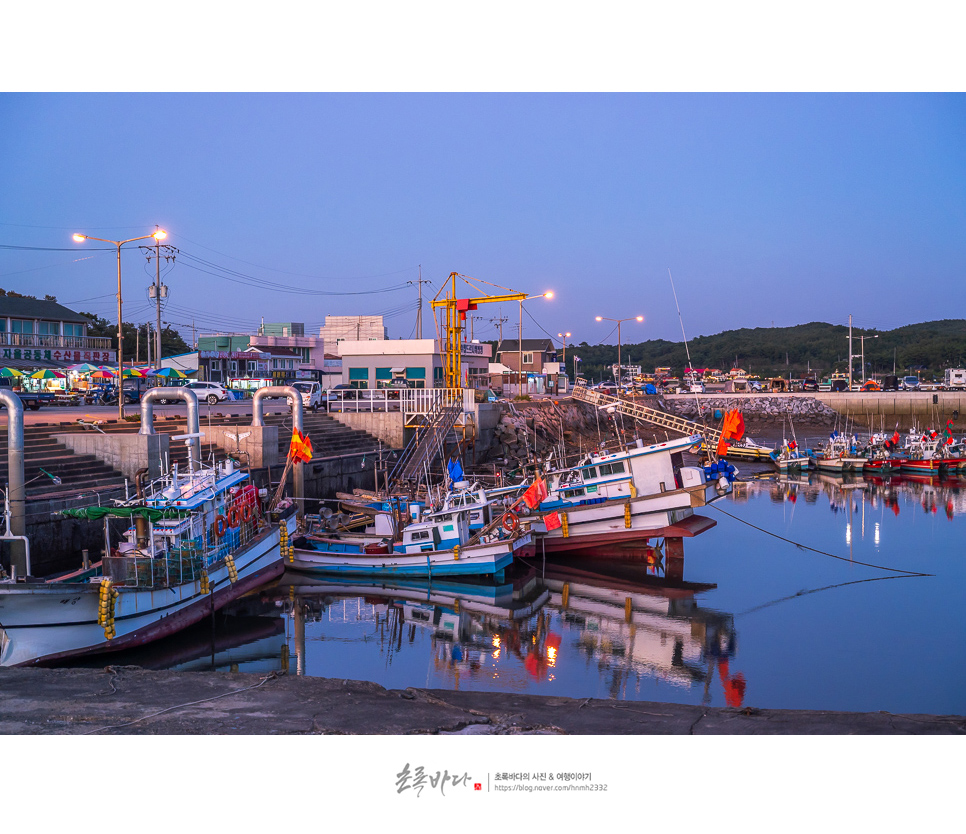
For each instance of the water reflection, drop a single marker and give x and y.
(726, 625)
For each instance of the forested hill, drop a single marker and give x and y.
(822, 348)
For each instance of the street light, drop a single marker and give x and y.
(160, 234)
(564, 337)
(548, 294)
(862, 343)
(633, 318)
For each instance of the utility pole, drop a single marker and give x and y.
(850, 351)
(499, 321)
(419, 314)
(159, 290)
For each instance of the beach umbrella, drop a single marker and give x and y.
(10, 372)
(134, 373)
(104, 373)
(171, 373)
(83, 368)
(47, 373)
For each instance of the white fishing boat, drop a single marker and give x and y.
(187, 545)
(626, 496)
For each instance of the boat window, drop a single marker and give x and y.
(612, 468)
(573, 493)
(590, 472)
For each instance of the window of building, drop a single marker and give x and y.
(21, 326)
(74, 330)
(48, 328)
(383, 377)
(359, 377)
(528, 358)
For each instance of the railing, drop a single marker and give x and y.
(408, 400)
(186, 560)
(62, 342)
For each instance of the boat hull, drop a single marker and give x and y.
(474, 560)
(41, 623)
(603, 526)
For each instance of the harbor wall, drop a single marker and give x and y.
(867, 409)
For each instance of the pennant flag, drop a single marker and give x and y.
(792, 445)
(722, 449)
(535, 494)
(300, 449)
(552, 520)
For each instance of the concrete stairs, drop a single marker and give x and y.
(83, 473)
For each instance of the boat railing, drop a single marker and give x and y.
(147, 572)
(186, 558)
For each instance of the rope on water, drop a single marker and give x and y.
(821, 552)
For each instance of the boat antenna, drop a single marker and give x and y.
(687, 351)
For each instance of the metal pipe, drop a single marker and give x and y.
(16, 495)
(295, 399)
(194, 424)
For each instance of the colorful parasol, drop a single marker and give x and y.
(47, 373)
(10, 372)
(171, 373)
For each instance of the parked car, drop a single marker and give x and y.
(810, 385)
(211, 392)
(889, 383)
(910, 383)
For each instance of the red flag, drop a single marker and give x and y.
(722, 449)
(535, 494)
(552, 520)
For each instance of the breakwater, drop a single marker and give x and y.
(905, 408)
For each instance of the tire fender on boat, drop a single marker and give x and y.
(248, 513)
(510, 522)
(221, 525)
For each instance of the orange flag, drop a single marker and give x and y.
(535, 494)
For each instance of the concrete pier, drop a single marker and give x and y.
(126, 700)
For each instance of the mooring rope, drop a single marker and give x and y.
(821, 552)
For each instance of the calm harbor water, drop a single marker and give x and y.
(785, 604)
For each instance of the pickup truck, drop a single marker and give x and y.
(30, 400)
(311, 394)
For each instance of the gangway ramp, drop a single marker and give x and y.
(669, 422)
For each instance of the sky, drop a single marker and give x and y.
(754, 209)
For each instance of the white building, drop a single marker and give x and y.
(375, 363)
(352, 328)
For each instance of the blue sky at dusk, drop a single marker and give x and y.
(767, 208)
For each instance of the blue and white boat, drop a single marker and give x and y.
(437, 544)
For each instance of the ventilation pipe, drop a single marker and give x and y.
(295, 399)
(16, 496)
(194, 425)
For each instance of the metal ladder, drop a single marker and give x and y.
(426, 444)
(648, 415)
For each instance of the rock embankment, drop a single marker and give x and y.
(773, 408)
(529, 429)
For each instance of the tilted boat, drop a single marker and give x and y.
(190, 543)
(626, 497)
(436, 544)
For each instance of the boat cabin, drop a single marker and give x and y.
(442, 531)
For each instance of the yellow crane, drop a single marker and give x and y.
(456, 310)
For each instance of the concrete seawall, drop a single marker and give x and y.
(906, 408)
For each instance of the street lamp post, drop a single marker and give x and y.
(520, 346)
(619, 321)
(564, 336)
(79, 238)
(862, 348)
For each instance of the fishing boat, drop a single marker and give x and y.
(746, 449)
(932, 452)
(839, 455)
(435, 544)
(623, 497)
(188, 544)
